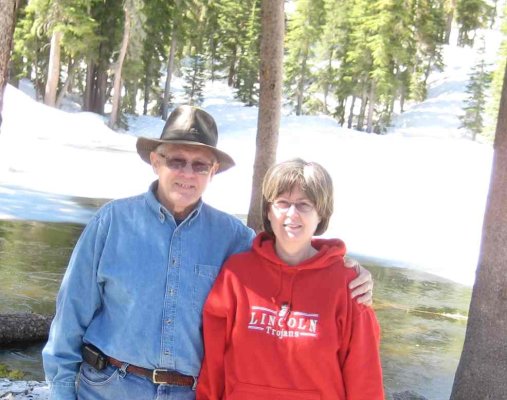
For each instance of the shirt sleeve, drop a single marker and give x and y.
(360, 357)
(77, 301)
(217, 327)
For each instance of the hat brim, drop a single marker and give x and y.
(146, 145)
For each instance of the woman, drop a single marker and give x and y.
(279, 322)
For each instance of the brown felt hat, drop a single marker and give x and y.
(190, 126)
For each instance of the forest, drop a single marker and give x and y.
(357, 60)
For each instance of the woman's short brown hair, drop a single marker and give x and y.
(313, 180)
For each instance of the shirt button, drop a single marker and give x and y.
(167, 352)
(168, 322)
(174, 261)
(171, 292)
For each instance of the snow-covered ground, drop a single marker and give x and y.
(415, 196)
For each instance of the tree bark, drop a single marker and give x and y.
(169, 75)
(66, 85)
(270, 100)
(7, 22)
(301, 84)
(24, 327)
(53, 69)
(371, 107)
(482, 367)
(115, 111)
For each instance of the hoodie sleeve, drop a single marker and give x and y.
(360, 357)
(218, 315)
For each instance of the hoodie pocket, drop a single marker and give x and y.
(247, 391)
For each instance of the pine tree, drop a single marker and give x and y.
(233, 17)
(69, 22)
(158, 34)
(248, 66)
(194, 75)
(304, 29)
(475, 104)
(471, 15)
(430, 35)
(497, 80)
(330, 53)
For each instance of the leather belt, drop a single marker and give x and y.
(157, 376)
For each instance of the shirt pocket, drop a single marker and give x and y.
(205, 276)
(247, 391)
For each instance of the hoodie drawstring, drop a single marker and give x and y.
(286, 306)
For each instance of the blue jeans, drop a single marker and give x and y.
(111, 384)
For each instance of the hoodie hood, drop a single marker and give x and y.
(329, 251)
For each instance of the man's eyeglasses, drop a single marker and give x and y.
(301, 206)
(179, 164)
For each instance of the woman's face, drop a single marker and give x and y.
(293, 218)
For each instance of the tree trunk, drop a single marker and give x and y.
(24, 327)
(270, 101)
(301, 84)
(448, 25)
(351, 113)
(53, 69)
(362, 109)
(66, 85)
(170, 66)
(115, 111)
(371, 107)
(7, 22)
(231, 76)
(482, 368)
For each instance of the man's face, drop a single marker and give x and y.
(184, 173)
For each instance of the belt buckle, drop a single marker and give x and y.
(154, 375)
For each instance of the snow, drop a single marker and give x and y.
(414, 197)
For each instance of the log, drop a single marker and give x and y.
(24, 327)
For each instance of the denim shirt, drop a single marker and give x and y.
(135, 287)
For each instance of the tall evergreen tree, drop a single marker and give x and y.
(477, 89)
(483, 362)
(194, 74)
(232, 21)
(7, 23)
(109, 18)
(270, 99)
(158, 34)
(248, 66)
(471, 15)
(430, 34)
(497, 79)
(330, 54)
(303, 31)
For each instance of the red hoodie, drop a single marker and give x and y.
(279, 332)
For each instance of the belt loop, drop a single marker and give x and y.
(122, 371)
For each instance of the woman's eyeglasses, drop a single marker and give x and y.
(301, 206)
(179, 164)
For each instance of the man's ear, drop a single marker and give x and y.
(214, 170)
(154, 162)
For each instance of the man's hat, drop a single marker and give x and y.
(190, 126)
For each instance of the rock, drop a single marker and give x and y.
(28, 390)
(408, 395)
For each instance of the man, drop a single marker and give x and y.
(128, 321)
